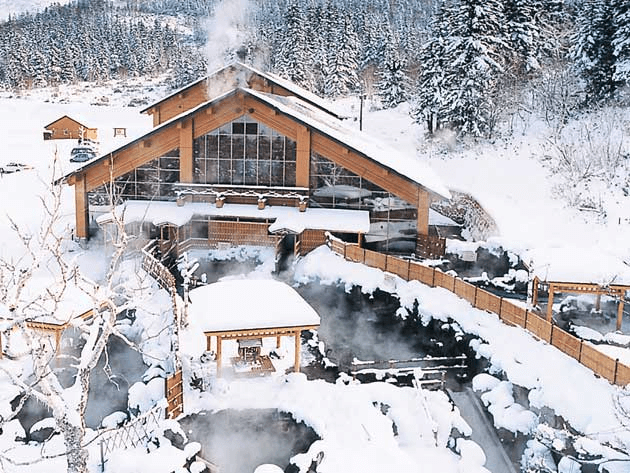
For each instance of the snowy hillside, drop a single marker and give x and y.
(15, 7)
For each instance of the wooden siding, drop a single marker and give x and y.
(181, 102)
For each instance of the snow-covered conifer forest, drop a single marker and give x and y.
(519, 109)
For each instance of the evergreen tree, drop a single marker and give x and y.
(393, 84)
(621, 41)
(470, 35)
(342, 62)
(594, 52)
(292, 55)
(524, 35)
(431, 84)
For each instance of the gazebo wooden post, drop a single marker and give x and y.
(620, 311)
(296, 366)
(219, 341)
(535, 291)
(278, 341)
(550, 304)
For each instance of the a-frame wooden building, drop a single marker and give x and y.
(233, 157)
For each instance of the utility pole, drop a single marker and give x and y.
(362, 97)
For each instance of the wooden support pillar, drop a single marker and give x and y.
(186, 151)
(296, 365)
(303, 157)
(208, 343)
(423, 212)
(57, 342)
(535, 291)
(156, 116)
(598, 302)
(278, 341)
(550, 304)
(620, 312)
(219, 342)
(81, 207)
(359, 238)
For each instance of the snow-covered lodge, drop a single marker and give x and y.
(245, 157)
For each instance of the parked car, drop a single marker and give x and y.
(81, 154)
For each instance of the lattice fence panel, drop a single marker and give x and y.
(488, 301)
(355, 253)
(311, 239)
(465, 290)
(566, 343)
(444, 280)
(538, 326)
(600, 363)
(398, 266)
(375, 259)
(421, 273)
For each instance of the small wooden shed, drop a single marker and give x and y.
(247, 309)
(66, 128)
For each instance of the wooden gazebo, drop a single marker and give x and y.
(247, 309)
(558, 271)
(618, 291)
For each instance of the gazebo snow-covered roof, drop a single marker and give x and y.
(578, 271)
(245, 304)
(245, 309)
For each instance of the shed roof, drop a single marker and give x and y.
(241, 74)
(248, 304)
(68, 117)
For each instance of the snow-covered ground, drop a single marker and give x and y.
(512, 184)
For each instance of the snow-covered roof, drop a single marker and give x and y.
(80, 120)
(361, 142)
(239, 68)
(408, 167)
(286, 218)
(571, 264)
(242, 304)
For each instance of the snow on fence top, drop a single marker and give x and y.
(360, 141)
(286, 218)
(247, 304)
(570, 264)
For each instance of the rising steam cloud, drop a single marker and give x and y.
(229, 30)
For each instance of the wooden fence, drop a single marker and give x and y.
(133, 433)
(601, 364)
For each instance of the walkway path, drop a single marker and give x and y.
(483, 432)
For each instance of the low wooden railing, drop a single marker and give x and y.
(601, 364)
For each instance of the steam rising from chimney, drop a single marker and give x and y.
(229, 29)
